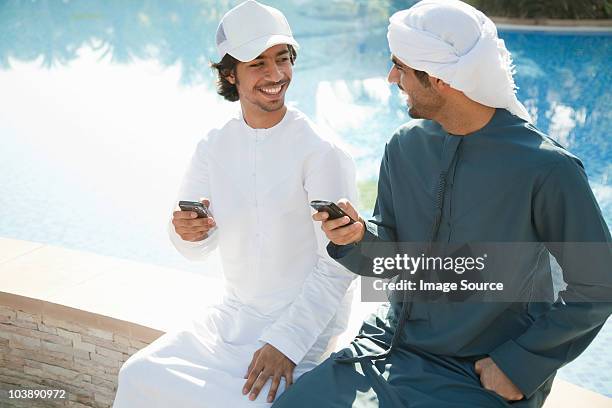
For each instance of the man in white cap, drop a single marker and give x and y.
(285, 299)
(470, 168)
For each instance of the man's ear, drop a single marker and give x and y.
(231, 78)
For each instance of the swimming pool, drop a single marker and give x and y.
(103, 103)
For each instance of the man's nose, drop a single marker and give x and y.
(274, 73)
(393, 77)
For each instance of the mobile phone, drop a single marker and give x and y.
(196, 207)
(331, 208)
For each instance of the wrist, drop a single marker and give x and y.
(363, 223)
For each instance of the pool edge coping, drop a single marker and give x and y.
(553, 25)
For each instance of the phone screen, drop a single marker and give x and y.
(194, 206)
(331, 208)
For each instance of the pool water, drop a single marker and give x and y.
(102, 104)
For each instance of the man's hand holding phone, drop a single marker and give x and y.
(341, 227)
(193, 221)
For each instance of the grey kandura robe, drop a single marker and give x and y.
(507, 182)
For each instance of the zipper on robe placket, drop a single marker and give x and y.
(451, 187)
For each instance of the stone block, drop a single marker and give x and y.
(10, 328)
(104, 398)
(122, 340)
(90, 348)
(132, 350)
(103, 343)
(115, 355)
(75, 404)
(5, 310)
(104, 361)
(88, 366)
(25, 324)
(63, 349)
(28, 317)
(6, 319)
(44, 356)
(75, 337)
(36, 372)
(103, 334)
(73, 327)
(109, 385)
(23, 342)
(138, 344)
(47, 329)
(113, 370)
(59, 371)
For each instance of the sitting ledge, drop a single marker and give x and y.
(69, 320)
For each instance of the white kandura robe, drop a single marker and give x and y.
(281, 287)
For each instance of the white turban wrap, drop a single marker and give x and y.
(458, 44)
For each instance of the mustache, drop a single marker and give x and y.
(279, 83)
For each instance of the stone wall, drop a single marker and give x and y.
(53, 347)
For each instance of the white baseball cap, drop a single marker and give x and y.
(250, 28)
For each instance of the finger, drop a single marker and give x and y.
(478, 367)
(192, 223)
(251, 379)
(252, 363)
(347, 207)
(261, 381)
(205, 201)
(184, 214)
(199, 227)
(347, 233)
(289, 378)
(514, 397)
(331, 225)
(250, 368)
(320, 216)
(274, 388)
(193, 231)
(193, 237)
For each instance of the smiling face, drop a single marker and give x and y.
(262, 83)
(424, 100)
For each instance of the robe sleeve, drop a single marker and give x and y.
(569, 222)
(379, 234)
(195, 185)
(329, 176)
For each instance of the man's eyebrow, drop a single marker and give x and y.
(260, 57)
(396, 62)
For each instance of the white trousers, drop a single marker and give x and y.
(204, 365)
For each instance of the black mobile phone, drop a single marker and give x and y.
(196, 207)
(331, 208)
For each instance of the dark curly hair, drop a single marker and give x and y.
(227, 66)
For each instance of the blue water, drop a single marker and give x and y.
(102, 103)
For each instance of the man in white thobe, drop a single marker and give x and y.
(285, 300)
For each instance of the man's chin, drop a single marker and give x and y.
(273, 106)
(414, 114)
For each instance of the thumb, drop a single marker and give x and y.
(348, 208)
(478, 367)
(205, 201)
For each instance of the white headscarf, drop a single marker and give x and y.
(458, 44)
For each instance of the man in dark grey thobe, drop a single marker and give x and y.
(472, 168)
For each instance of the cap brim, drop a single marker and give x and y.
(251, 50)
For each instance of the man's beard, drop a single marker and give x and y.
(272, 106)
(414, 113)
